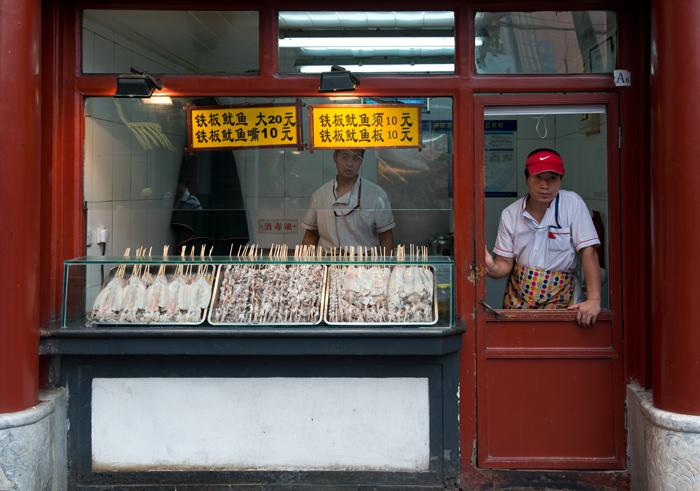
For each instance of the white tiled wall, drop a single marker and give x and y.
(170, 41)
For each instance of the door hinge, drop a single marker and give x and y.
(619, 137)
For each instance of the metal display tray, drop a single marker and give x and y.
(434, 308)
(255, 313)
(169, 272)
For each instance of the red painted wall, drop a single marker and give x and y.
(675, 206)
(20, 139)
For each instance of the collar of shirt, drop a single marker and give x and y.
(349, 202)
(550, 218)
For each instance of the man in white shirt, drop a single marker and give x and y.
(539, 239)
(349, 210)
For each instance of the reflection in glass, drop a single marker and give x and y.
(170, 41)
(366, 42)
(138, 173)
(546, 42)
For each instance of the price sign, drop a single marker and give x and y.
(365, 126)
(244, 126)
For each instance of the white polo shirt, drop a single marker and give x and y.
(552, 244)
(354, 219)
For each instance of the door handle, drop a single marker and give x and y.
(489, 308)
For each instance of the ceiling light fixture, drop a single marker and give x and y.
(367, 42)
(385, 68)
(338, 79)
(138, 83)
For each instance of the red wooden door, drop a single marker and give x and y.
(550, 394)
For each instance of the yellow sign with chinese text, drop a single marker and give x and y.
(365, 126)
(259, 126)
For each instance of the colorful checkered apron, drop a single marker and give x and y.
(531, 288)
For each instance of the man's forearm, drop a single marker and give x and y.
(386, 242)
(591, 273)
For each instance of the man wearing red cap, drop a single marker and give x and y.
(539, 238)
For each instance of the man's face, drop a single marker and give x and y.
(543, 187)
(348, 162)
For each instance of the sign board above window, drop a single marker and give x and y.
(365, 126)
(245, 126)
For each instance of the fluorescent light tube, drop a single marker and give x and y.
(367, 42)
(395, 68)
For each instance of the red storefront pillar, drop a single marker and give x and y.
(675, 205)
(20, 45)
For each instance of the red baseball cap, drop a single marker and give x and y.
(544, 161)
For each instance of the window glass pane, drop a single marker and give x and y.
(170, 41)
(546, 42)
(141, 184)
(580, 139)
(366, 42)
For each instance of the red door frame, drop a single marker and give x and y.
(543, 341)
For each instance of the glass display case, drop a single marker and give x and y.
(244, 292)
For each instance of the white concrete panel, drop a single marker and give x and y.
(261, 423)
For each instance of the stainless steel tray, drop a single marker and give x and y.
(406, 320)
(169, 273)
(265, 310)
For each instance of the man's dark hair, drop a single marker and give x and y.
(527, 172)
(361, 150)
